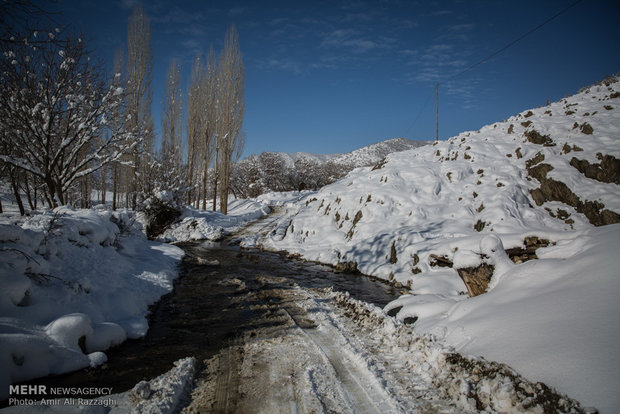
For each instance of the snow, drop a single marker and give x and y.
(283, 199)
(161, 395)
(372, 154)
(198, 224)
(75, 282)
(368, 155)
(554, 320)
(468, 200)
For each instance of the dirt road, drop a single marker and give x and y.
(304, 356)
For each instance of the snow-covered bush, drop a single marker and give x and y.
(161, 210)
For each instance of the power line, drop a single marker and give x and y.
(497, 52)
(428, 99)
(489, 57)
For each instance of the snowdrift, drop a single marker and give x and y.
(507, 237)
(195, 224)
(74, 283)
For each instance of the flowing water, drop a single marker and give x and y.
(210, 307)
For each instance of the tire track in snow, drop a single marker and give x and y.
(361, 387)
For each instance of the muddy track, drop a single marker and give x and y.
(227, 383)
(295, 360)
(362, 390)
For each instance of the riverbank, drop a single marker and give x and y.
(75, 282)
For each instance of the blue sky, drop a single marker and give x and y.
(332, 76)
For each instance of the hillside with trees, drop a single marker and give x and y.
(279, 171)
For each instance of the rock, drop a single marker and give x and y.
(142, 390)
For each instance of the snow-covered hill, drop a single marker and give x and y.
(506, 236)
(360, 157)
(291, 158)
(372, 154)
(279, 171)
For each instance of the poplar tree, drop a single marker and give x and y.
(230, 107)
(172, 128)
(139, 99)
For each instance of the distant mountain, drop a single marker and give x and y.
(291, 158)
(372, 154)
(281, 171)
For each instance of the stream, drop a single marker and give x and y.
(212, 305)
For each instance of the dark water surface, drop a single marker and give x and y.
(206, 312)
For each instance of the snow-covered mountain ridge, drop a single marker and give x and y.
(372, 154)
(279, 171)
(361, 157)
(541, 185)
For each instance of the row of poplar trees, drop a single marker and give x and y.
(197, 164)
(65, 129)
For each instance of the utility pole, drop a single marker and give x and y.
(437, 110)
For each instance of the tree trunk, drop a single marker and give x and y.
(32, 205)
(85, 190)
(216, 177)
(59, 194)
(48, 199)
(190, 179)
(114, 184)
(104, 173)
(50, 194)
(18, 198)
(215, 193)
(224, 189)
(204, 190)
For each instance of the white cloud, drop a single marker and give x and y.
(354, 41)
(235, 11)
(464, 27)
(284, 64)
(130, 4)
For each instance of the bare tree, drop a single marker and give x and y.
(54, 105)
(230, 106)
(210, 94)
(23, 20)
(118, 170)
(194, 124)
(172, 127)
(139, 97)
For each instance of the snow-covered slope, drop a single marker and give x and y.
(372, 154)
(360, 157)
(291, 158)
(535, 189)
(279, 171)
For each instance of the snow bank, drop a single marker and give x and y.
(162, 395)
(74, 283)
(283, 199)
(426, 217)
(195, 224)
